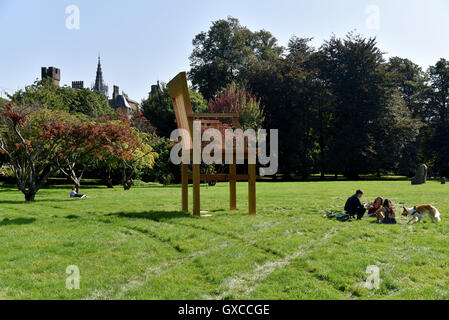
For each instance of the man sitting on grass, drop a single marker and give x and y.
(354, 207)
(74, 194)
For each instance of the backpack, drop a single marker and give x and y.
(343, 217)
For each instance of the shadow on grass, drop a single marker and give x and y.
(17, 222)
(152, 215)
(72, 217)
(35, 201)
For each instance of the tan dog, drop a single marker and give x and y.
(419, 212)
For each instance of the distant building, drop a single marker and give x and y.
(52, 73)
(155, 89)
(99, 85)
(122, 101)
(78, 85)
(118, 101)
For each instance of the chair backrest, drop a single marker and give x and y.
(179, 92)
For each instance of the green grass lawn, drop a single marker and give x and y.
(137, 245)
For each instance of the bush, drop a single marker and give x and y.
(164, 171)
(238, 100)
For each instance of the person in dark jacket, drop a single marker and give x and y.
(354, 207)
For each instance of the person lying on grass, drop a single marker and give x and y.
(75, 194)
(354, 207)
(387, 214)
(374, 207)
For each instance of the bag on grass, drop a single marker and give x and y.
(343, 217)
(339, 215)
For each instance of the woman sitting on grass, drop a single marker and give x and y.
(387, 214)
(374, 207)
(75, 194)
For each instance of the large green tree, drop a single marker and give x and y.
(285, 87)
(45, 94)
(410, 80)
(220, 53)
(368, 114)
(436, 149)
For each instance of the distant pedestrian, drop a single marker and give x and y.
(75, 194)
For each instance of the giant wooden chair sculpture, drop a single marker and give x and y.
(185, 118)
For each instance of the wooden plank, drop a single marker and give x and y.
(220, 177)
(214, 115)
(233, 186)
(196, 190)
(179, 92)
(185, 187)
(252, 189)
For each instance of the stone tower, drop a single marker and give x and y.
(99, 85)
(78, 85)
(52, 73)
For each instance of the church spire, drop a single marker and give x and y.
(99, 82)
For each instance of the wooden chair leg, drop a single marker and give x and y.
(252, 189)
(233, 185)
(185, 187)
(196, 190)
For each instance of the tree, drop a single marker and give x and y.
(238, 100)
(284, 86)
(77, 143)
(219, 54)
(356, 71)
(3, 102)
(437, 116)
(158, 109)
(410, 80)
(164, 171)
(45, 94)
(32, 159)
(117, 145)
(144, 157)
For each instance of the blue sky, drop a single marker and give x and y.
(144, 41)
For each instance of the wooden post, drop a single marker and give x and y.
(196, 190)
(252, 189)
(185, 187)
(233, 184)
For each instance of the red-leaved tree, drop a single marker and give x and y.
(32, 159)
(238, 100)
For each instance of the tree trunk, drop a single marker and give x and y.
(108, 179)
(77, 185)
(29, 196)
(127, 180)
(127, 185)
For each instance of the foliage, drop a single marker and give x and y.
(158, 109)
(238, 100)
(436, 116)
(117, 145)
(285, 88)
(359, 117)
(32, 159)
(3, 102)
(220, 53)
(164, 171)
(45, 94)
